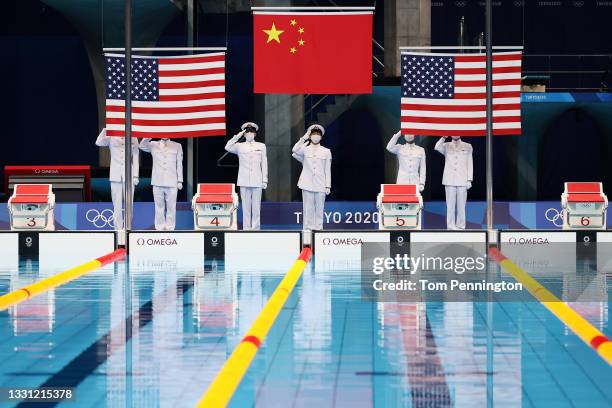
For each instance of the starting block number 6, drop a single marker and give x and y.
(585, 221)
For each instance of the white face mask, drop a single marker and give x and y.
(409, 138)
(456, 137)
(249, 136)
(316, 139)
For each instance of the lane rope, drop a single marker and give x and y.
(27, 292)
(595, 339)
(222, 388)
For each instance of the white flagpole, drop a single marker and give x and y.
(127, 180)
(489, 140)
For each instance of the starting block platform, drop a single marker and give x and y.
(54, 249)
(581, 259)
(342, 249)
(238, 249)
(548, 250)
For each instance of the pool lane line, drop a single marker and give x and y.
(36, 288)
(222, 388)
(568, 316)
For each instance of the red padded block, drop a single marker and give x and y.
(30, 199)
(215, 188)
(214, 198)
(406, 189)
(305, 254)
(32, 189)
(400, 199)
(585, 198)
(590, 187)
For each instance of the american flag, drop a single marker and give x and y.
(172, 97)
(445, 95)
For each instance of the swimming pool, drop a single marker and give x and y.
(157, 334)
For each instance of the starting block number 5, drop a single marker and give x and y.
(400, 222)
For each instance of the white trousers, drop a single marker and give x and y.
(117, 197)
(455, 207)
(165, 207)
(251, 207)
(313, 204)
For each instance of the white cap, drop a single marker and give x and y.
(249, 124)
(321, 128)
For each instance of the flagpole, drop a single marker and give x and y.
(315, 8)
(165, 49)
(192, 143)
(461, 47)
(489, 140)
(127, 181)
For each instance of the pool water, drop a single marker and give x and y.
(155, 336)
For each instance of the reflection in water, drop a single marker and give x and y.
(156, 335)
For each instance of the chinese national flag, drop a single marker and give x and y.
(314, 52)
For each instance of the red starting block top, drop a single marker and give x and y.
(215, 188)
(583, 188)
(214, 198)
(32, 189)
(400, 199)
(585, 198)
(399, 189)
(29, 199)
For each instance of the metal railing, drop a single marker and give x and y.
(378, 56)
(571, 72)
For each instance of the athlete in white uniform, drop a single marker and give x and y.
(457, 179)
(411, 160)
(315, 179)
(252, 173)
(166, 179)
(116, 146)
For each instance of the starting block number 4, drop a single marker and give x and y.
(218, 222)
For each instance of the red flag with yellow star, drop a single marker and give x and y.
(312, 52)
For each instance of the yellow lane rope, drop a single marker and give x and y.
(222, 388)
(578, 324)
(19, 295)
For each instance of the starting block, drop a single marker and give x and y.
(584, 206)
(215, 207)
(399, 206)
(31, 207)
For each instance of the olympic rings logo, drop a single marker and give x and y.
(101, 219)
(555, 216)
